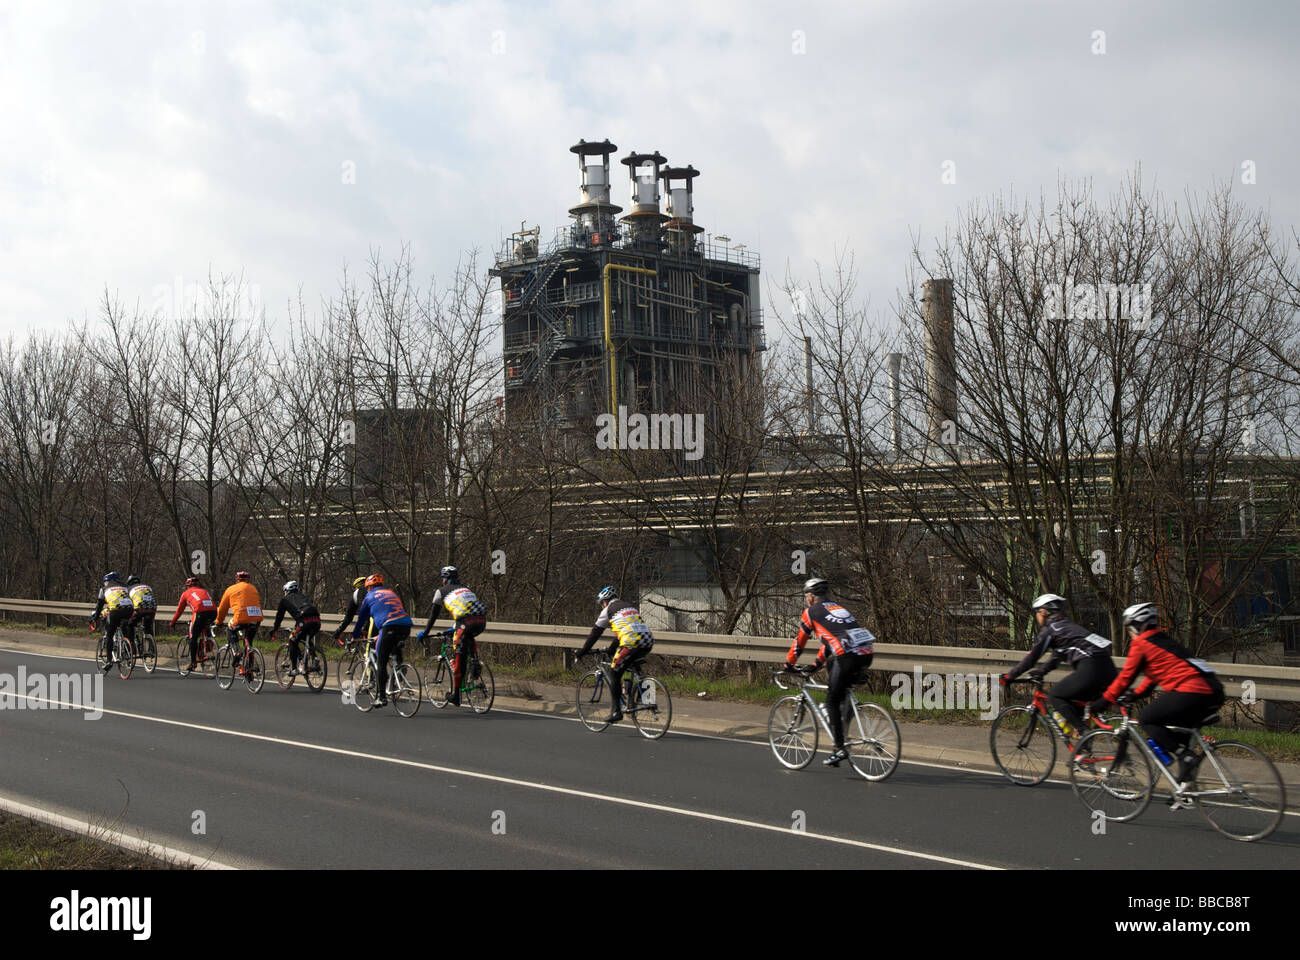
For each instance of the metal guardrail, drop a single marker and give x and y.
(1271, 682)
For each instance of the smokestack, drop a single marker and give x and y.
(679, 192)
(940, 368)
(645, 221)
(808, 384)
(593, 212)
(895, 404)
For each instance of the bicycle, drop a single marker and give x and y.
(348, 658)
(874, 752)
(1023, 738)
(125, 651)
(404, 685)
(645, 700)
(231, 659)
(477, 686)
(207, 654)
(312, 665)
(1236, 788)
(146, 650)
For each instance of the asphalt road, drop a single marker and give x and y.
(296, 779)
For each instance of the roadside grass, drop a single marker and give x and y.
(27, 844)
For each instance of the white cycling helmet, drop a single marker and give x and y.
(1141, 614)
(1049, 602)
(291, 587)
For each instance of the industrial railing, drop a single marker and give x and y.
(1269, 682)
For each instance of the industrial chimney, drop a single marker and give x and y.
(645, 222)
(940, 369)
(681, 226)
(895, 361)
(594, 212)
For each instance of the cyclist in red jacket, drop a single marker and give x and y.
(198, 600)
(1192, 691)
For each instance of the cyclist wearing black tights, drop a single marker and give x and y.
(848, 646)
(1061, 639)
(1192, 691)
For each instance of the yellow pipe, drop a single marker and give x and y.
(610, 359)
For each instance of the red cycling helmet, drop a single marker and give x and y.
(375, 580)
(192, 582)
(242, 575)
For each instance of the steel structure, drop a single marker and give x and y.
(638, 312)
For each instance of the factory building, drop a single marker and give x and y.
(638, 311)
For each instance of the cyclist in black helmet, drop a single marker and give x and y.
(848, 646)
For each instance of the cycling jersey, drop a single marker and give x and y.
(113, 597)
(459, 602)
(299, 606)
(836, 628)
(243, 602)
(142, 598)
(382, 607)
(354, 604)
(1063, 640)
(196, 599)
(1166, 663)
(625, 620)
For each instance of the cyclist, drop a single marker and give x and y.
(1192, 691)
(244, 603)
(115, 603)
(470, 616)
(384, 608)
(306, 620)
(1086, 652)
(144, 603)
(198, 600)
(632, 638)
(849, 647)
(354, 604)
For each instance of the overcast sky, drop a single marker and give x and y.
(145, 144)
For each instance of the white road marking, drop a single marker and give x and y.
(535, 785)
(109, 835)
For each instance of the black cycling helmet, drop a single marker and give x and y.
(132, 580)
(817, 586)
(450, 575)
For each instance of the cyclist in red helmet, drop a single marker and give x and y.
(204, 608)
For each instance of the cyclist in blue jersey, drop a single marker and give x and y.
(384, 608)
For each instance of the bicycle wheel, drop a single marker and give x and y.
(256, 675)
(439, 681)
(183, 656)
(125, 658)
(406, 691)
(1239, 791)
(225, 668)
(208, 658)
(347, 663)
(877, 747)
(479, 690)
(593, 701)
(653, 710)
(792, 732)
(361, 692)
(1023, 746)
(284, 674)
(316, 669)
(101, 654)
(148, 653)
(1111, 775)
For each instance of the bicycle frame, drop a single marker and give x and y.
(632, 701)
(1137, 736)
(819, 709)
